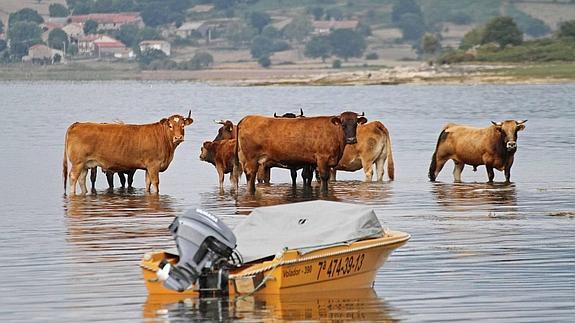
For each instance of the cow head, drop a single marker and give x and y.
(508, 130)
(175, 125)
(226, 131)
(290, 115)
(349, 121)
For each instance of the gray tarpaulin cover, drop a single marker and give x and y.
(304, 226)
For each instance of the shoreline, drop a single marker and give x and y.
(424, 74)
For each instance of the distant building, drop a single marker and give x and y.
(110, 21)
(42, 54)
(326, 26)
(103, 46)
(202, 8)
(74, 31)
(162, 45)
(188, 28)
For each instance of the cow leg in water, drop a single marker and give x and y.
(148, 181)
(73, 177)
(367, 169)
(220, 177)
(155, 179)
(379, 163)
(307, 175)
(82, 179)
(110, 178)
(332, 174)
(457, 169)
(490, 173)
(122, 177)
(293, 173)
(93, 173)
(131, 178)
(263, 174)
(324, 174)
(508, 174)
(251, 170)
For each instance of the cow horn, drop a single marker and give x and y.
(219, 121)
(521, 122)
(362, 114)
(498, 124)
(300, 112)
(275, 115)
(190, 114)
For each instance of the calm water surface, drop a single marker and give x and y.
(478, 252)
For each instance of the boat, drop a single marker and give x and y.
(284, 249)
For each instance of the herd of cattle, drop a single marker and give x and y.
(320, 145)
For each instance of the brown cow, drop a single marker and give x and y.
(295, 142)
(122, 147)
(222, 154)
(373, 146)
(494, 147)
(227, 131)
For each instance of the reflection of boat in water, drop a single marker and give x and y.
(295, 248)
(355, 304)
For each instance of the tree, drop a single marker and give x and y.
(148, 33)
(58, 39)
(347, 43)
(259, 20)
(90, 26)
(333, 13)
(503, 31)
(57, 58)
(317, 12)
(201, 60)
(412, 26)
(58, 10)
(318, 46)
(25, 14)
(402, 7)
(128, 34)
(271, 32)
(156, 14)
(261, 47)
(1, 26)
(73, 50)
(3, 45)
(239, 35)
(472, 38)
(265, 61)
(150, 55)
(567, 29)
(298, 29)
(430, 44)
(23, 35)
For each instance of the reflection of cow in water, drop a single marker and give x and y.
(494, 147)
(295, 142)
(122, 147)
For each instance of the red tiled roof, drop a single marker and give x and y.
(109, 44)
(102, 18)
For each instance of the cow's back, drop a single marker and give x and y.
(290, 141)
(465, 144)
(371, 139)
(116, 146)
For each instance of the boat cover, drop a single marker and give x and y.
(304, 226)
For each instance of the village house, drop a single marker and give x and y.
(110, 21)
(188, 28)
(103, 46)
(42, 54)
(74, 31)
(326, 26)
(162, 45)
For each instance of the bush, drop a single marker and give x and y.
(265, 61)
(201, 60)
(371, 56)
(336, 64)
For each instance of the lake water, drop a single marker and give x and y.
(478, 252)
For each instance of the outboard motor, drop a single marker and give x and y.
(206, 249)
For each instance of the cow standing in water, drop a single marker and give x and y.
(122, 147)
(494, 147)
(110, 177)
(295, 142)
(373, 147)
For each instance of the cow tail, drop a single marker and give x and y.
(390, 164)
(65, 162)
(236, 153)
(433, 165)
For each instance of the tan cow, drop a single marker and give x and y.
(222, 154)
(122, 147)
(373, 147)
(494, 147)
(295, 142)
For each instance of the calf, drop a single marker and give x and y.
(222, 154)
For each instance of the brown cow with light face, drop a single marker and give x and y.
(295, 142)
(122, 147)
(222, 154)
(494, 147)
(373, 147)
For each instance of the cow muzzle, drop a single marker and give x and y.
(351, 140)
(178, 139)
(511, 146)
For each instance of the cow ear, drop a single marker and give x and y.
(497, 124)
(335, 120)
(520, 127)
(361, 120)
(188, 121)
(205, 144)
(164, 121)
(230, 128)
